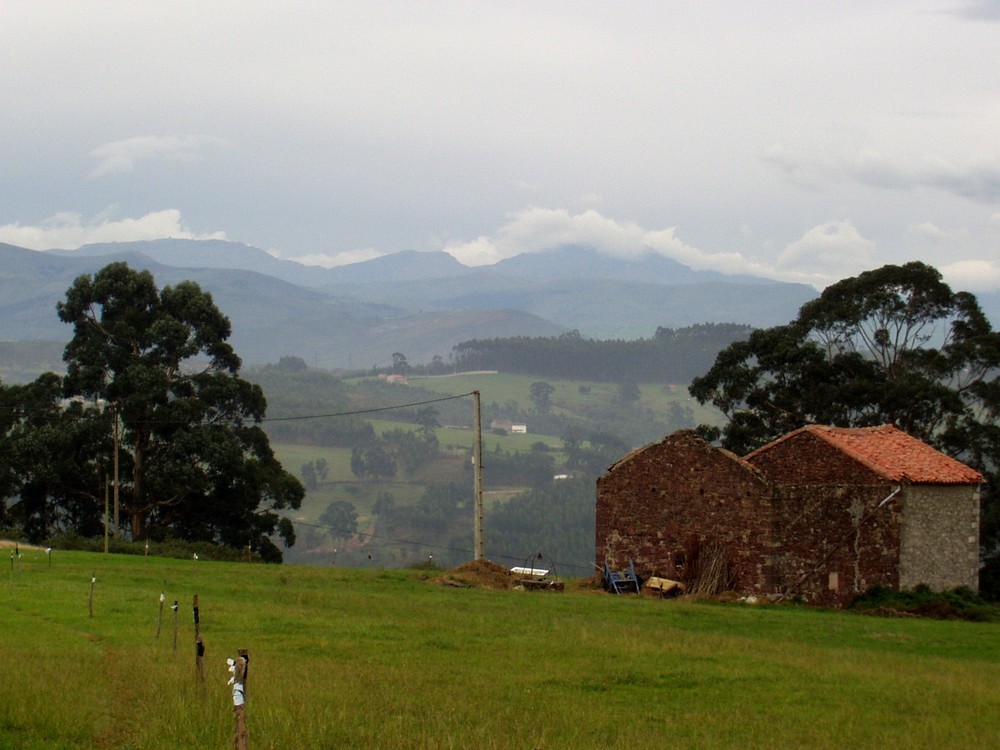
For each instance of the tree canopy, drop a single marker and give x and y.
(669, 356)
(894, 345)
(891, 345)
(155, 367)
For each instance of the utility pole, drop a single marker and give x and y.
(477, 475)
(114, 530)
(107, 519)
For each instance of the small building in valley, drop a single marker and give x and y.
(822, 513)
(508, 426)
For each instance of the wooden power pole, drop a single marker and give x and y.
(477, 475)
(107, 518)
(114, 529)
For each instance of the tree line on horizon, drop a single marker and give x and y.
(670, 356)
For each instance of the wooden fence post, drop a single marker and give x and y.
(240, 668)
(159, 620)
(175, 608)
(93, 582)
(199, 646)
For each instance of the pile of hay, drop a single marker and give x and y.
(478, 574)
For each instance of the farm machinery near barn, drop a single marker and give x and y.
(621, 582)
(531, 578)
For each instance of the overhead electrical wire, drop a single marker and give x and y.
(367, 411)
(355, 412)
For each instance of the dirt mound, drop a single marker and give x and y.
(478, 574)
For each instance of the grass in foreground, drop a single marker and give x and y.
(386, 659)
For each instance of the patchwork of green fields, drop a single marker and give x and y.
(590, 407)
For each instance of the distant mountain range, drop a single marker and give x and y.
(416, 303)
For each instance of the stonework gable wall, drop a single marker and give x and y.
(834, 541)
(939, 543)
(671, 498)
(807, 459)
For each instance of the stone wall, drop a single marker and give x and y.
(834, 541)
(807, 459)
(931, 515)
(667, 502)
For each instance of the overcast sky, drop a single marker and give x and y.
(795, 140)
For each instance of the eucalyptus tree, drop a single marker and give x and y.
(893, 345)
(194, 460)
(54, 458)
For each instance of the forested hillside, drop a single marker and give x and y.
(387, 466)
(670, 356)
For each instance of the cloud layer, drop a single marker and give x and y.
(122, 156)
(800, 141)
(70, 231)
(822, 255)
(976, 178)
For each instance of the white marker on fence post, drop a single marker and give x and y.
(93, 582)
(48, 552)
(238, 668)
(159, 621)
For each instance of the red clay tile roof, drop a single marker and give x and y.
(890, 452)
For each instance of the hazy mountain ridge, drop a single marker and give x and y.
(417, 303)
(599, 296)
(270, 317)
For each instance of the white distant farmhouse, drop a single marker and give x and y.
(508, 426)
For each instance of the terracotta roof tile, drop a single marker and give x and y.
(890, 452)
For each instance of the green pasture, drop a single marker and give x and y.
(568, 395)
(388, 659)
(341, 484)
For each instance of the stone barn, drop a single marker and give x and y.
(822, 513)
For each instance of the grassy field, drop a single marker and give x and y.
(341, 484)
(568, 395)
(388, 659)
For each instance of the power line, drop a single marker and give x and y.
(367, 411)
(47, 413)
